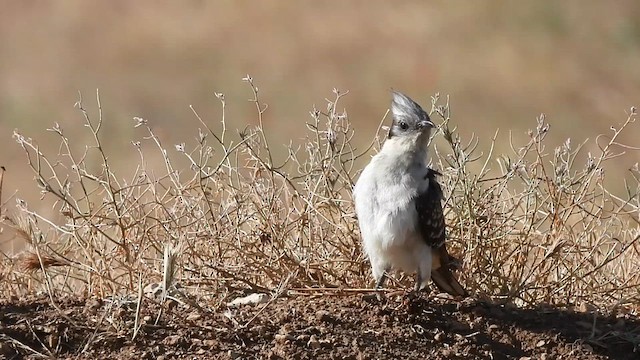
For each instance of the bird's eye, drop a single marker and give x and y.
(403, 125)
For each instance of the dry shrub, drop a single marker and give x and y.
(542, 228)
(539, 228)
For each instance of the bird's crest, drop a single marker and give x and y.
(408, 116)
(404, 108)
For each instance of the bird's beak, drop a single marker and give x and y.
(425, 124)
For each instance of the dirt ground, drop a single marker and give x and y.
(338, 326)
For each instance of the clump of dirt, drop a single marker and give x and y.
(326, 326)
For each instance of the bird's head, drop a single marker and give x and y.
(409, 120)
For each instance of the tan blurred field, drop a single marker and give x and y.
(501, 62)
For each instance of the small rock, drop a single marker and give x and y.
(323, 315)
(172, 340)
(193, 316)
(541, 343)
(586, 307)
(324, 341)
(253, 299)
(493, 327)
(285, 329)
(209, 343)
(283, 337)
(418, 329)
(445, 296)
(313, 342)
(438, 337)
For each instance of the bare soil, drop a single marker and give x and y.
(312, 327)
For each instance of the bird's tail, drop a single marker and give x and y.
(447, 282)
(442, 276)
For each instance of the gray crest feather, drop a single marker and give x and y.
(404, 108)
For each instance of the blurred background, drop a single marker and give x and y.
(502, 63)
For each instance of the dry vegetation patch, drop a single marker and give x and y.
(224, 214)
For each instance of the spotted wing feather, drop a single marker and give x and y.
(433, 231)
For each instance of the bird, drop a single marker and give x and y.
(398, 203)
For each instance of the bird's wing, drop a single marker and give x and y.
(430, 214)
(432, 230)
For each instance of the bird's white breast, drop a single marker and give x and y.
(386, 211)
